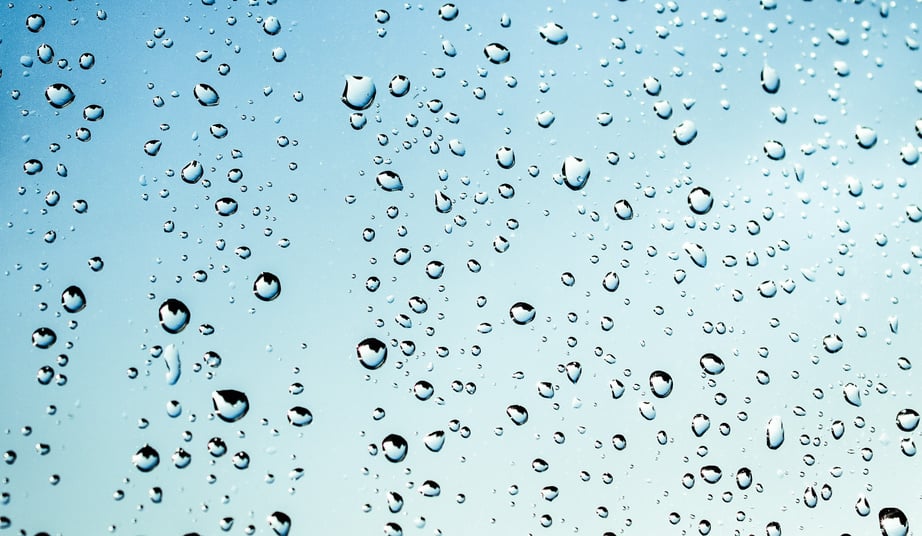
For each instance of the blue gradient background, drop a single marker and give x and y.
(309, 333)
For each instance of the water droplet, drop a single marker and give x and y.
(359, 92)
(545, 118)
(271, 25)
(33, 166)
(44, 338)
(382, 16)
(907, 419)
(394, 501)
(711, 364)
(59, 95)
(279, 54)
(423, 390)
(448, 12)
(505, 157)
(173, 364)
(174, 316)
(389, 181)
(267, 286)
(685, 132)
(192, 172)
(852, 394)
(372, 353)
(399, 85)
(72, 299)
(700, 200)
(35, 23)
(893, 522)
(205, 95)
(611, 282)
(434, 441)
(553, 33)
(711, 474)
(496, 53)
(146, 459)
(300, 416)
(774, 149)
(226, 206)
(430, 488)
(86, 61)
(230, 405)
(771, 82)
(696, 253)
(279, 522)
(518, 414)
(152, 147)
(832, 343)
(623, 210)
(575, 172)
(443, 203)
(394, 448)
(45, 53)
(522, 313)
(865, 136)
(660, 383)
(774, 433)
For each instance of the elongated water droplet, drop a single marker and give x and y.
(389, 181)
(280, 523)
(852, 394)
(696, 253)
(771, 82)
(205, 95)
(553, 33)
(774, 433)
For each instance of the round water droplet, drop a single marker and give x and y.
(86, 61)
(711, 364)
(685, 132)
(72, 299)
(205, 95)
(300, 416)
(496, 53)
(575, 172)
(893, 522)
(660, 383)
(518, 414)
(226, 206)
(700, 200)
(652, 86)
(389, 181)
(44, 338)
(394, 448)
(553, 33)
(522, 313)
(280, 523)
(434, 441)
(267, 286)
(359, 92)
(423, 390)
(865, 136)
(45, 53)
(271, 25)
(59, 95)
(174, 316)
(35, 23)
(505, 157)
(146, 459)
(907, 419)
(774, 150)
(382, 16)
(399, 85)
(448, 12)
(832, 343)
(545, 119)
(192, 172)
(611, 282)
(372, 353)
(230, 405)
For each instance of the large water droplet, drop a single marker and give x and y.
(35, 23)
(300, 416)
(660, 383)
(907, 419)
(72, 299)
(685, 132)
(389, 181)
(774, 149)
(174, 315)
(771, 82)
(696, 253)
(553, 33)
(611, 282)
(394, 501)
(518, 414)
(230, 405)
(192, 172)
(522, 313)
(443, 203)
(271, 25)
(575, 172)
(399, 85)
(430, 488)
(623, 210)
(774, 433)
(205, 95)
(743, 478)
(226, 206)
(700, 424)
(893, 522)
(59, 95)
(372, 353)
(505, 157)
(712, 364)
(496, 53)
(700, 200)
(832, 343)
(434, 441)
(44, 338)
(394, 448)
(545, 118)
(280, 523)
(359, 92)
(852, 394)
(267, 286)
(865, 136)
(146, 459)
